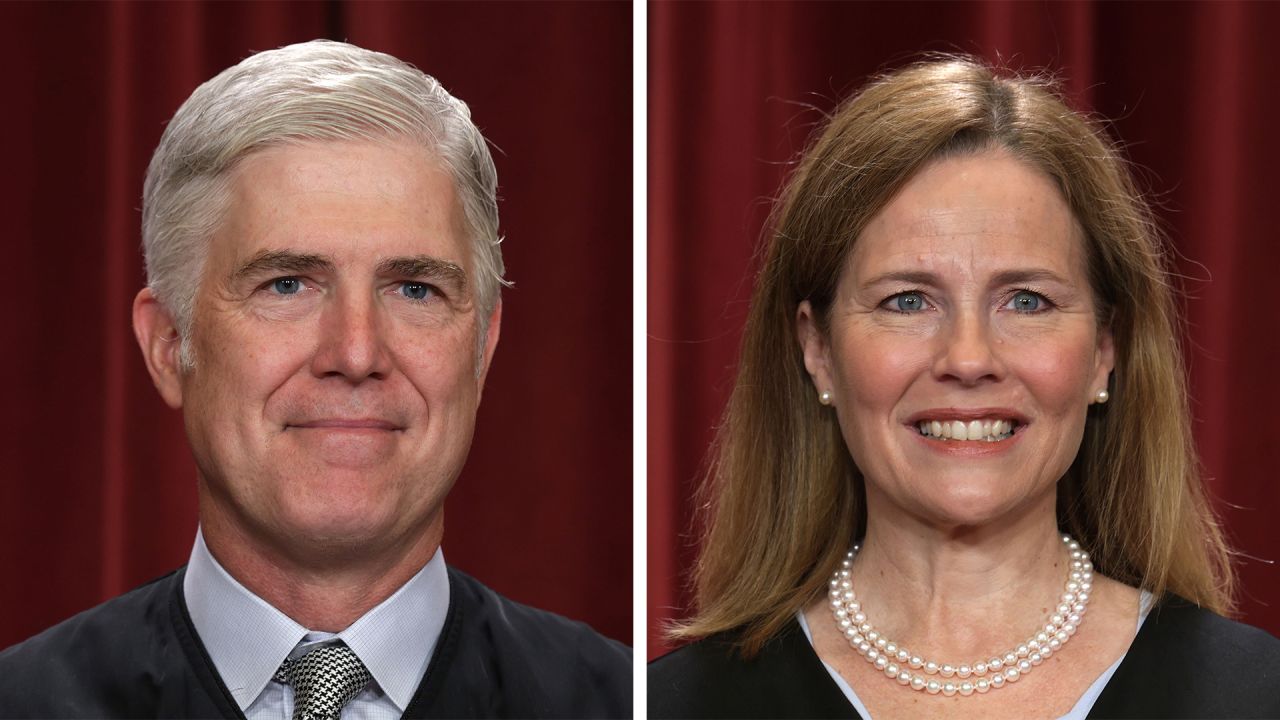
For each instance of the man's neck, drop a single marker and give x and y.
(326, 590)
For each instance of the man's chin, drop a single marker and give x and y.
(332, 536)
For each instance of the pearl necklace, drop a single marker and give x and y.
(897, 662)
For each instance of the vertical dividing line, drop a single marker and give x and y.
(639, 354)
(119, 240)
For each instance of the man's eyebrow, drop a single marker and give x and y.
(282, 261)
(424, 266)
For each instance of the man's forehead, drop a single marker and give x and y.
(351, 202)
(387, 171)
(303, 160)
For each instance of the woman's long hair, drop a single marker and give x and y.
(783, 497)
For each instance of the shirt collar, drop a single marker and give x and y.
(396, 639)
(247, 638)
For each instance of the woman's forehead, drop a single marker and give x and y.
(974, 211)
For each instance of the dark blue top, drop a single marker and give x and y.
(1185, 662)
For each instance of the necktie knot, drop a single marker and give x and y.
(324, 680)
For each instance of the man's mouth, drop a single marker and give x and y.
(345, 424)
(982, 429)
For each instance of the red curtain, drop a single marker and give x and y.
(735, 90)
(98, 489)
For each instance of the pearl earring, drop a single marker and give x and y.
(1102, 397)
(824, 397)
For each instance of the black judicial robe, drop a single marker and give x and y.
(138, 656)
(1185, 662)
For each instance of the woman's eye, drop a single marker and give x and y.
(416, 290)
(1025, 301)
(286, 285)
(907, 302)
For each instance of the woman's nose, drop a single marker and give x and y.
(968, 352)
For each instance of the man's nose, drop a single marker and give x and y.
(353, 339)
(968, 352)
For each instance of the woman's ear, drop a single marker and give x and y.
(1106, 358)
(817, 351)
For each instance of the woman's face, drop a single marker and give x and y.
(963, 347)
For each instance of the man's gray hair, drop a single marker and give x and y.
(318, 90)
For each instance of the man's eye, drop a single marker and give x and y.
(907, 302)
(286, 285)
(416, 290)
(1026, 301)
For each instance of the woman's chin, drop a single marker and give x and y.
(959, 502)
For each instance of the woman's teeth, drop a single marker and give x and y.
(985, 430)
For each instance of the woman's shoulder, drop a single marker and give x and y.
(711, 678)
(708, 660)
(1187, 661)
(1188, 629)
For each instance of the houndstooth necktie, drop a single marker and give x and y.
(323, 680)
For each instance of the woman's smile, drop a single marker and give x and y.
(972, 432)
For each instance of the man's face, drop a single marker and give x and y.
(335, 385)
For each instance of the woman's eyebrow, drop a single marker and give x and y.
(1028, 275)
(1004, 277)
(911, 277)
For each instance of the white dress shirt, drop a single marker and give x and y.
(1078, 712)
(247, 639)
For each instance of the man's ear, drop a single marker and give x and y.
(813, 342)
(158, 338)
(490, 343)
